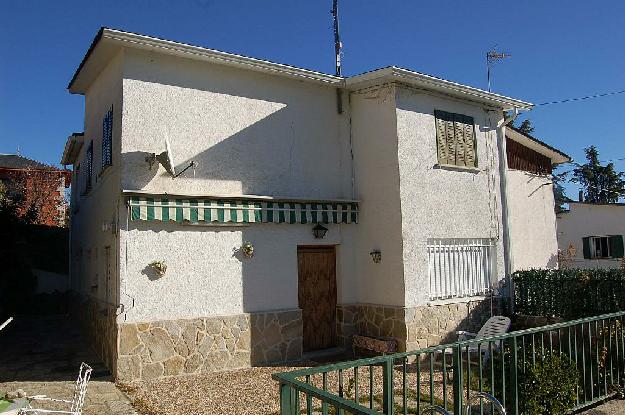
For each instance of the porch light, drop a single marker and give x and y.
(319, 231)
(376, 255)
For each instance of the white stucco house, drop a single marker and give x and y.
(590, 235)
(407, 172)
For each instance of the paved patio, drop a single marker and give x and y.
(42, 355)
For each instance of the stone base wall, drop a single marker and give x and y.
(429, 326)
(99, 323)
(413, 328)
(174, 347)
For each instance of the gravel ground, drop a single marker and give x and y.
(252, 391)
(247, 391)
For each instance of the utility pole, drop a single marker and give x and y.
(337, 52)
(493, 57)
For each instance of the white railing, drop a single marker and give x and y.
(460, 267)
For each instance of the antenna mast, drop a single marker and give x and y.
(493, 57)
(337, 39)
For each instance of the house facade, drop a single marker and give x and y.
(590, 235)
(402, 171)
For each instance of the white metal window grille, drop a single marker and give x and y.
(460, 267)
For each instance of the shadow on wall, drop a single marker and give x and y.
(272, 145)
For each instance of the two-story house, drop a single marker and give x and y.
(312, 206)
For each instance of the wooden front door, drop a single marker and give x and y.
(317, 296)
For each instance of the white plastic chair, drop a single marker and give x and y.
(76, 404)
(6, 323)
(494, 326)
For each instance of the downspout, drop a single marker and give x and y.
(503, 183)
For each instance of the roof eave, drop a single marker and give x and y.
(556, 156)
(72, 148)
(431, 83)
(119, 39)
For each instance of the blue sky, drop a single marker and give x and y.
(560, 49)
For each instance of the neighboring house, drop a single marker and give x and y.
(531, 202)
(402, 169)
(40, 187)
(591, 235)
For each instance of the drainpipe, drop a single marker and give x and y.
(503, 183)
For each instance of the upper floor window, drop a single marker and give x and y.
(455, 139)
(107, 139)
(89, 167)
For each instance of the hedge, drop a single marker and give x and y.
(569, 293)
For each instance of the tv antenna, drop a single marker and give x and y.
(337, 39)
(492, 57)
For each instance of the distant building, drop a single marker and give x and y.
(591, 235)
(40, 185)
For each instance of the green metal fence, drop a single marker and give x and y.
(449, 375)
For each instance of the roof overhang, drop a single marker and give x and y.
(556, 156)
(432, 83)
(72, 148)
(108, 42)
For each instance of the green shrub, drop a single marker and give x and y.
(569, 293)
(549, 387)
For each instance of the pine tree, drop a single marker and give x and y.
(601, 184)
(526, 127)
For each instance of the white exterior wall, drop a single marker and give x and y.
(584, 219)
(249, 133)
(100, 205)
(443, 203)
(377, 185)
(532, 221)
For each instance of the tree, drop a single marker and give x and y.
(559, 193)
(526, 127)
(601, 184)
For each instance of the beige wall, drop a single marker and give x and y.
(532, 221)
(100, 205)
(377, 185)
(589, 220)
(443, 203)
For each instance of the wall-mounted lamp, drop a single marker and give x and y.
(376, 255)
(319, 231)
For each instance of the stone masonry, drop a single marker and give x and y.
(414, 328)
(175, 347)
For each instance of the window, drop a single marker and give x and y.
(107, 139)
(455, 139)
(89, 167)
(460, 267)
(610, 246)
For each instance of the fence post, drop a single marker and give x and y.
(514, 384)
(287, 399)
(457, 362)
(387, 386)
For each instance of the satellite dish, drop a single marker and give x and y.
(166, 159)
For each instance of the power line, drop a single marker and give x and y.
(606, 94)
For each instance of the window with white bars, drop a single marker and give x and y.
(460, 267)
(107, 139)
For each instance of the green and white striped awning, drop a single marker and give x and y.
(240, 210)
